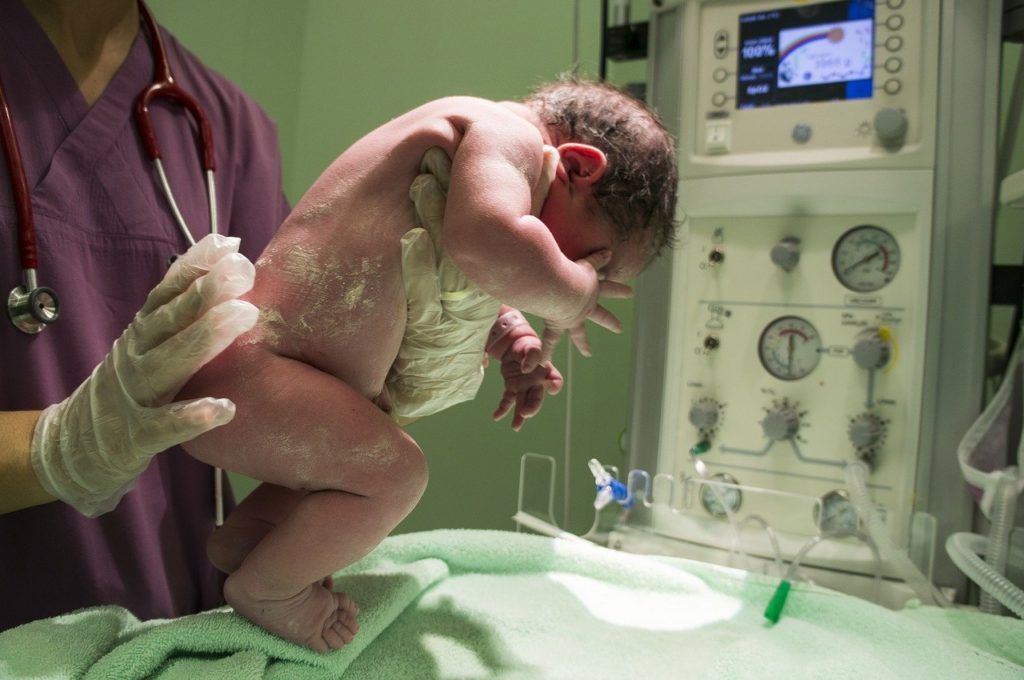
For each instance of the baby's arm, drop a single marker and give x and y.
(513, 342)
(491, 236)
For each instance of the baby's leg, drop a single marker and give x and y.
(307, 431)
(255, 516)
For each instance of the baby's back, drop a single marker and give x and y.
(329, 285)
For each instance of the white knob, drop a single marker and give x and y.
(891, 127)
(786, 254)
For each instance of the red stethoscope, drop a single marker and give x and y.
(32, 307)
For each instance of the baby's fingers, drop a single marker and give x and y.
(508, 400)
(602, 317)
(548, 342)
(578, 335)
(614, 289)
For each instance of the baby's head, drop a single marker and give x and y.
(637, 191)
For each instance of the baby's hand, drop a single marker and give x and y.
(514, 342)
(590, 309)
(526, 391)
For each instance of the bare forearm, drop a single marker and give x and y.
(19, 486)
(524, 267)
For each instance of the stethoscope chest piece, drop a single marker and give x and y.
(31, 311)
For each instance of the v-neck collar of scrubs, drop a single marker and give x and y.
(87, 128)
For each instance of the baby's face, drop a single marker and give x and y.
(571, 215)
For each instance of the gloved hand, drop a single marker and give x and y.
(514, 342)
(89, 449)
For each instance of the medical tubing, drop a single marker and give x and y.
(856, 484)
(772, 539)
(773, 612)
(964, 549)
(1004, 508)
(698, 465)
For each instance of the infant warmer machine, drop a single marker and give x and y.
(827, 301)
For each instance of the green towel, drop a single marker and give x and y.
(489, 604)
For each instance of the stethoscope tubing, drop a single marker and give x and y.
(25, 304)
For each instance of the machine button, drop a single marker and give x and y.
(782, 422)
(704, 414)
(894, 22)
(719, 98)
(870, 350)
(894, 43)
(786, 254)
(866, 431)
(892, 86)
(893, 64)
(802, 133)
(891, 127)
(717, 137)
(894, 4)
(721, 43)
(720, 75)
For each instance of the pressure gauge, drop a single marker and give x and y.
(790, 348)
(866, 258)
(837, 513)
(712, 497)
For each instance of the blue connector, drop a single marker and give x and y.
(608, 488)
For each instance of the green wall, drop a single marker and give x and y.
(330, 71)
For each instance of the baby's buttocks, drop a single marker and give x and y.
(332, 307)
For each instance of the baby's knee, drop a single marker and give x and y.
(407, 475)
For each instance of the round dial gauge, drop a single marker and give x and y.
(790, 348)
(837, 513)
(866, 258)
(712, 497)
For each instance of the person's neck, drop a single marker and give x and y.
(92, 37)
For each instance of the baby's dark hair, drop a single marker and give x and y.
(638, 189)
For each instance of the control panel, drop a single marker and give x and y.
(826, 301)
(769, 71)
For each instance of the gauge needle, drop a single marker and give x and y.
(863, 260)
(789, 364)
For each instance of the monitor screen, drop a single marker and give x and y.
(815, 53)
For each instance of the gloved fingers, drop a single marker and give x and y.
(166, 426)
(578, 335)
(232, 276)
(167, 367)
(196, 261)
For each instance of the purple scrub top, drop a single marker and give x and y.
(104, 235)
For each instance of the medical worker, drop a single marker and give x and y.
(71, 72)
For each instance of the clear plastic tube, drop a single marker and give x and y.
(965, 549)
(856, 484)
(1003, 510)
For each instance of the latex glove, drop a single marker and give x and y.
(527, 378)
(589, 309)
(89, 449)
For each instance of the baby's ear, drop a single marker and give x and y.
(583, 163)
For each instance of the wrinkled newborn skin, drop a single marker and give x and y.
(339, 474)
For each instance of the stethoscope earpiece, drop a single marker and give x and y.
(32, 311)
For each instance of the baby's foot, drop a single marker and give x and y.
(315, 617)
